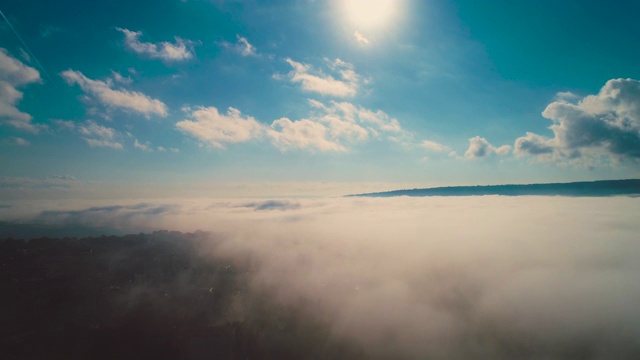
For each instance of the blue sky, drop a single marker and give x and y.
(188, 95)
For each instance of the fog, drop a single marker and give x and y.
(439, 277)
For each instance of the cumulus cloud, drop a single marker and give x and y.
(216, 129)
(122, 99)
(331, 127)
(345, 85)
(603, 125)
(301, 134)
(479, 148)
(14, 74)
(534, 144)
(180, 50)
(356, 123)
(400, 278)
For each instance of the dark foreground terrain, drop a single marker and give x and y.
(576, 189)
(143, 296)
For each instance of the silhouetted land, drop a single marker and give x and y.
(145, 296)
(583, 188)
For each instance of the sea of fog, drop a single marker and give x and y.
(434, 277)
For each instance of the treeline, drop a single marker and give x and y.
(576, 189)
(145, 296)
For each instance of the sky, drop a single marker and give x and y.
(254, 98)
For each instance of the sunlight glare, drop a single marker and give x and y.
(370, 14)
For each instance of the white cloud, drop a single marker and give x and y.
(567, 96)
(354, 122)
(343, 124)
(142, 146)
(122, 99)
(64, 124)
(91, 128)
(103, 143)
(360, 38)
(328, 128)
(432, 146)
(242, 46)
(13, 74)
(179, 51)
(96, 135)
(215, 129)
(121, 79)
(25, 55)
(325, 84)
(605, 125)
(301, 134)
(479, 147)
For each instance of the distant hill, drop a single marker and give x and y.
(583, 188)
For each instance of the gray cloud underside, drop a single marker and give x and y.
(606, 124)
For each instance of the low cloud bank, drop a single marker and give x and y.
(484, 277)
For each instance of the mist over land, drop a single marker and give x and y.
(401, 277)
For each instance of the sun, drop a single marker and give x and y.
(369, 15)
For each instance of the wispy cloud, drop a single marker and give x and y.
(94, 134)
(122, 99)
(360, 38)
(180, 50)
(242, 46)
(97, 135)
(345, 83)
(61, 181)
(432, 146)
(21, 141)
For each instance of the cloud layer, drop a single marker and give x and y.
(526, 278)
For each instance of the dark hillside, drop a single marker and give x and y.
(142, 297)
